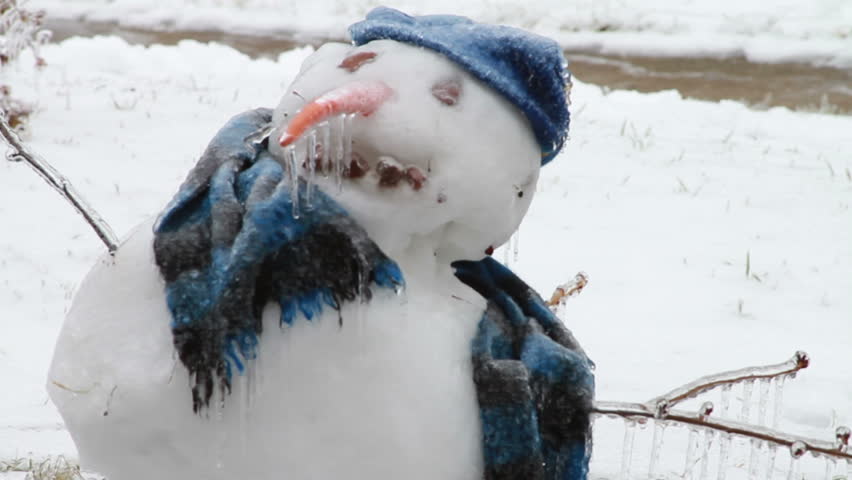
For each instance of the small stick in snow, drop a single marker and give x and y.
(20, 152)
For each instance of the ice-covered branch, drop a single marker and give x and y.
(569, 289)
(20, 30)
(664, 402)
(798, 445)
(660, 408)
(19, 152)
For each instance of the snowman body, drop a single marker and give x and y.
(377, 390)
(387, 394)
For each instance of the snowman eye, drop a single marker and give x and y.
(447, 91)
(355, 61)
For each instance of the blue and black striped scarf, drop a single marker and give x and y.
(228, 244)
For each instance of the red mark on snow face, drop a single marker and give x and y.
(415, 177)
(389, 174)
(355, 61)
(489, 250)
(357, 168)
(447, 91)
(357, 97)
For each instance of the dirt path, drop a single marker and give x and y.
(794, 85)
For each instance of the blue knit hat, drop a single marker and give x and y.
(527, 69)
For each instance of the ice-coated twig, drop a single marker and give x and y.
(569, 289)
(838, 448)
(20, 152)
(633, 410)
(749, 374)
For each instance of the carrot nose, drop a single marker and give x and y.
(362, 97)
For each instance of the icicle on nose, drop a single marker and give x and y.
(322, 132)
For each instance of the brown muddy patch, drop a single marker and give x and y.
(759, 85)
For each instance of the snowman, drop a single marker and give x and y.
(318, 300)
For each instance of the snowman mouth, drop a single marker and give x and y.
(318, 140)
(329, 150)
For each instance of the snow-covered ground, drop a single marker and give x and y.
(660, 200)
(818, 31)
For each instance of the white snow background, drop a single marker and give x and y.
(659, 199)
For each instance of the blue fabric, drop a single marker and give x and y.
(534, 383)
(229, 244)
(527, 69)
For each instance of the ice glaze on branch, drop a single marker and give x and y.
(660, 408)
(664, 402)
(569, 289)
(625, 409)
(20, 152)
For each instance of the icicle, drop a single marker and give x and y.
(830, 467)
(691, 450)
(797, 450)
(293, 164)
(779, 401)
(221, 433)
(310, 156)
(725, 400)
(340, 127)
(360, 318)
(705, 455)
(627, 448)
(753, 458)
(656, 446)
(347, 140)
(745, 413)
(325, 130)
(770, 462)
(245, 407)
(516, 241)
(724, 449)
(511, 249)
(257, 376)
(793, 470)
(506, 248)
(763, 401)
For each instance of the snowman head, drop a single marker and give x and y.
(418, 140)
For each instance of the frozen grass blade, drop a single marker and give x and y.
(49, 468)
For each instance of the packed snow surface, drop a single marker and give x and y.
(769, 31)
(715, 236)
(319, 401)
